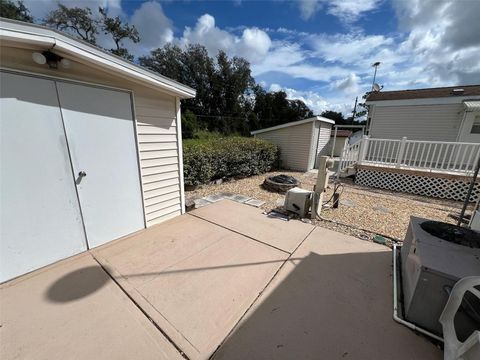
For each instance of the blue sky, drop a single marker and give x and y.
(319, 51)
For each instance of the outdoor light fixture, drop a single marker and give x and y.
(66, 64)
(38, 58)
(50, 58)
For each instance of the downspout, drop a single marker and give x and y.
(395, 303)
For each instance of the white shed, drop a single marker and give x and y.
(300, 142)
(90, 147)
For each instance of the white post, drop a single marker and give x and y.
(334, 140)
(322, 181)
(362, 151)
(401, 152)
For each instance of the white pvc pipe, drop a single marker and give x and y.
(395, 303)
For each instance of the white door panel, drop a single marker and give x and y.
(40, 220)
(100, 133)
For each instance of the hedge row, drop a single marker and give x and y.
(208, 159)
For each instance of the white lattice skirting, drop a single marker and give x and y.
(438, 187)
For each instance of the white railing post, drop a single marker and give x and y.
(334, 140)
(362, 151)
(401, 152)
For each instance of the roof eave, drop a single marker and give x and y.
(294, 123)
(15, 31)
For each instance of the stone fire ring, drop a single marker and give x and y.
(280, 187)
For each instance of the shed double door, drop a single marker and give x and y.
(69, 176)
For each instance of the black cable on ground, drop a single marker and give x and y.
(319, 217)
(335, 189)
(359, 228)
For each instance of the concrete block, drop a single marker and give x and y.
(201, 202)
(255, 202)
(214, 198)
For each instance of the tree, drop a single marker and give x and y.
(76, 20)
(15, 11)
(335, 116)
(189, 125)
(222, 84)
(118, 31)
(273, 108)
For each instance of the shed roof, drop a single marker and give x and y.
(441, 92)
(19, 34)
(342, 133)
(294, 123)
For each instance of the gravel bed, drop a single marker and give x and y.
(377, 211)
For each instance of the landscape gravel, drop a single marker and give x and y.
(374, 211)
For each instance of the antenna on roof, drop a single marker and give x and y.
(375, 65)
(376, 87)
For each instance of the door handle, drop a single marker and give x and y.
(81, 175)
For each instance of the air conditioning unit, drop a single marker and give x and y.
(298, 201)
(434, 257)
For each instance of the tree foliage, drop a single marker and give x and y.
(76, 20)
(341, 120)
(15, 11)
(119, 31)
(82, 23)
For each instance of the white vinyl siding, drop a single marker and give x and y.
(155, 115)
(324, 138)
(294, 143)
(439, 122)
(159, 156)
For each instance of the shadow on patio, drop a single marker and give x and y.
(327, 307)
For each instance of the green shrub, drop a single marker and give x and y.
(215, 158)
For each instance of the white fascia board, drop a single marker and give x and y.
(426, 101)
(295, 123)
(14, 31)
(25, 38)
(472, 106)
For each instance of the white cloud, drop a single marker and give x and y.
(351, 10)
(252, 45)
(315, 101)
(347, 11)
(308, 8)
(347, 48)
(348, 85)
(443, 38)
(154, 27)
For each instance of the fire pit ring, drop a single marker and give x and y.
(280, 183)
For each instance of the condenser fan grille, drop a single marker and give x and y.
(452, 233)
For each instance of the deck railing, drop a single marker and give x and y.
(456, 157)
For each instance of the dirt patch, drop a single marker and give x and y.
(378, 211)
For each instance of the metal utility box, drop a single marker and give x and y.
(298, 201)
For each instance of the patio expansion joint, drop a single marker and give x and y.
(211, 357)
(180, 351)
(248, 237)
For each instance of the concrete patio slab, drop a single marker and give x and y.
(73, 310)
(250, 221)
(193, 278)
(335, 302)
(142, 257)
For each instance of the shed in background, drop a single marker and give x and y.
(301, 142)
